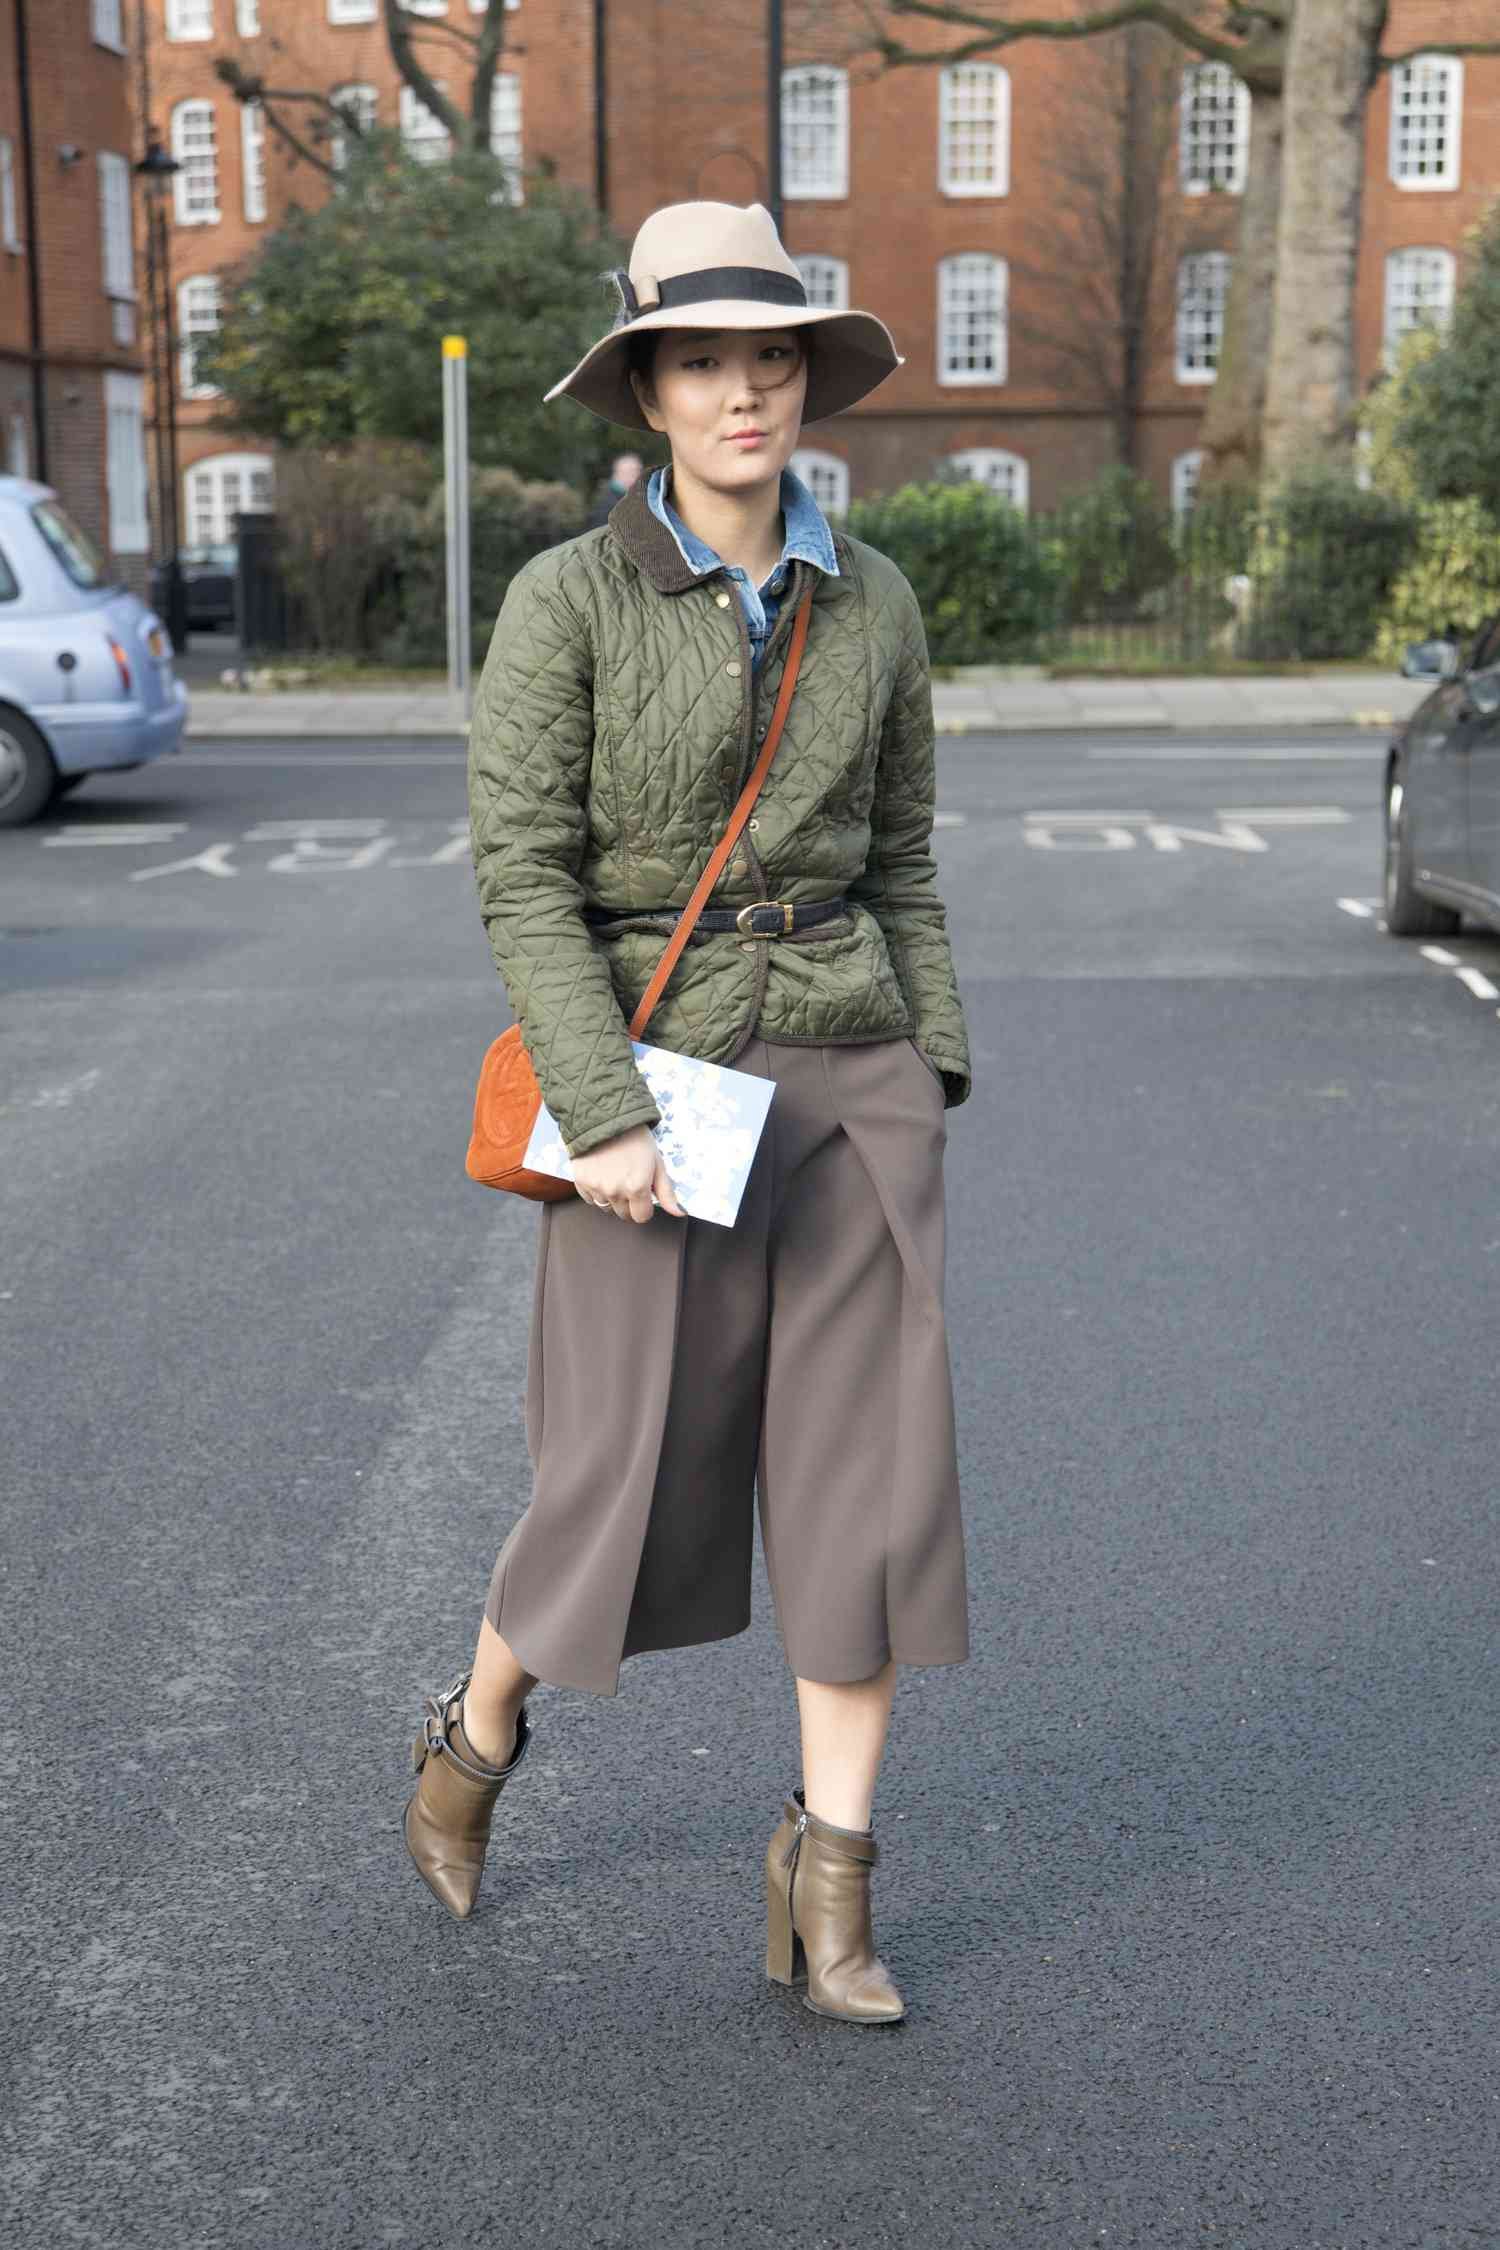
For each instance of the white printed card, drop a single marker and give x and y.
(711, 1122)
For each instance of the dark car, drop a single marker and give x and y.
(208, 575)
(1442, 792)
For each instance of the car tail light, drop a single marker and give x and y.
(158, 644)
(122, 665)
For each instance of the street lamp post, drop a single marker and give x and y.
(156, 171)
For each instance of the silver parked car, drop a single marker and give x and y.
(86, 679)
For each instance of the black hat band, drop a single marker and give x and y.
(708, 286)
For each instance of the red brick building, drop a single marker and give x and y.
(72, 397)
(975, 207)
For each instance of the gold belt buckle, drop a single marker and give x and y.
(784, 907)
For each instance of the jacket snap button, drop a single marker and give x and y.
(722, 600)
(733, 668)
(738, 866)
(752, 824)
(746, 944)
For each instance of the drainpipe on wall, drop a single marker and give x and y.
(601, 113)
(773, 110)
(33, 246)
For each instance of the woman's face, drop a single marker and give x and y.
(709, 389)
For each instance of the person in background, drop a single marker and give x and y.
(623, 472)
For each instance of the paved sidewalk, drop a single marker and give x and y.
(981, 701)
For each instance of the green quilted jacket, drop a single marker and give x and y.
(616, 721)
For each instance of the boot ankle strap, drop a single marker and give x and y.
(437, 1743)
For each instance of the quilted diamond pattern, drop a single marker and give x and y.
(614, 726)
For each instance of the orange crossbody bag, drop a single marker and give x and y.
(508, 1099)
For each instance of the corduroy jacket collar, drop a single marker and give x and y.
(649, 543)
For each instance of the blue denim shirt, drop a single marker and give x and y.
(808, 537)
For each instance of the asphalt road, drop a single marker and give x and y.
(1189, 1875)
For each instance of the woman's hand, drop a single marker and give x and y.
(623, 1173)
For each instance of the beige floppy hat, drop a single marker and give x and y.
(720, 265)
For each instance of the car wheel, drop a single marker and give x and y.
(1407, 912)
(28, 778)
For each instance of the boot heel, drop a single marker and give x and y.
(786, 1963)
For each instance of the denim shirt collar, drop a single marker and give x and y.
(808, 536)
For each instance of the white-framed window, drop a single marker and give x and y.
(1419, 287)
(425, 134)
(815, 131)
(253, 160)
(1202, 287)
(478, 7)
(425, 7)
(107, 21)
(1185, 472)
(826, 478)
(353, 11)
(363, 104)
(1213, 139)
(115, 234)
(10, 224)
(197, 316)
(1005, 473)
(1427, 98)
(974, 129)
(972, 291)
(195, 145)
(224, 486)
(505, 130)
(190, 19)
(125, 463)
(247, 18)
(826, 281)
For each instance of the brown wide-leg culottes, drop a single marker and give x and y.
(678, 1367)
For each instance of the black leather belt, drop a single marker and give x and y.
(768, 917)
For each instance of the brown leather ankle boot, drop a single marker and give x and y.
(447, 1822)
(818, 1927)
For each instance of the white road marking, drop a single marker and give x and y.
(258, 758)
(116, 832)
(1232, 836)
(314, 831)
(1118, 750)
(308, 857)
(1438, 953)
(1111, 830)
(1357, 906)
(1478, 984)
(1286, 816)
(212, 860)
(58, 1097)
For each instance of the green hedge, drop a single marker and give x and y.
(1452, 578)
(1324, 561)
(988, 586)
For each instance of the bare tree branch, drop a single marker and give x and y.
(491, 46)
(398, 32)
(1439, 47)
(994, 32)
(248, 86)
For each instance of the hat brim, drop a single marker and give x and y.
(855, 352)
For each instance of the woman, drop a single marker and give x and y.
(678, 1367)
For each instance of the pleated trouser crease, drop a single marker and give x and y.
(678, 1369)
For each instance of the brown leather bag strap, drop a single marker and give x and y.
(737, 819)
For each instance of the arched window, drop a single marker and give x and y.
(1426, 110)
(815, 131)
(362, 104)
(1213, 138)
(197, 317)
(1185, 472)
(1202, 287)
(224, 486)
(826, 281)
(826, 478)
(505, 130)
(1418, 292)
(1005, 473)
(972, 318)
(974, 129)
(196, 148)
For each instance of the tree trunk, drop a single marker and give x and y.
(1231, 431)
(1310, 387)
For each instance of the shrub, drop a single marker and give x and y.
(1453, 578)
(1450, 402)
(1323, 563)
(988, 585)
(510, 520)
(1115, 541)
(338, 542)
